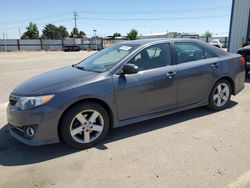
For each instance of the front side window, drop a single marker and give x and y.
(106, 59)
(153, 57)
(187, 52)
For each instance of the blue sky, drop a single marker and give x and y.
(109, 16)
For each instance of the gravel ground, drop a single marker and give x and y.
(194, 148)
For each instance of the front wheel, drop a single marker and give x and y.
(220, 95)
(85, 125)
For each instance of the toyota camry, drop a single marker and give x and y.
(126, 83)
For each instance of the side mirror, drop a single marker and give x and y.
(130, 69)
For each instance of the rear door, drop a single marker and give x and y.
(197, 69)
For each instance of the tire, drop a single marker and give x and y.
(219, 101)
(78, 130)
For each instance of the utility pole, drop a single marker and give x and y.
(95, 39)
(19, 31)
(75, 18)
(5, 45)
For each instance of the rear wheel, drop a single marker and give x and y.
(220, 95)
(85, 125)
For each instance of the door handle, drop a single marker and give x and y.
(171, 74)
(215, 65)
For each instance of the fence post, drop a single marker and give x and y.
(62, 44)
(225, 42)
(41, 43)
(101, 44)
(18, 44)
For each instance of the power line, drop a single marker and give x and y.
(121, 19)
(118, 12)
(35, 18)
(154, 11)
(39, 23)
(153, 19)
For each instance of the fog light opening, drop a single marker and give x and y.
(30, 132)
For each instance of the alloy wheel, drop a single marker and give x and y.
(221, 95)
(86, 126)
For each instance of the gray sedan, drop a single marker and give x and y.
(126, 83)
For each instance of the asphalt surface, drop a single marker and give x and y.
(194, 148)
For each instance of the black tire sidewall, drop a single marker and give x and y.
(68, 117)
(211, 101)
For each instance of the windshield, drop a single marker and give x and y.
(106, 59)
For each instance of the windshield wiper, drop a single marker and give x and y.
(78, 67)
(83, 68)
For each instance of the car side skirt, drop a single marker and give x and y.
(159, 114)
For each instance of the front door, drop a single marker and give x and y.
(152, 89)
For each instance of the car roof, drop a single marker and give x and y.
(143, 42)
(148, 41)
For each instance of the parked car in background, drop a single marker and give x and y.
(245, 52)
(71, 48)
(216, 42)
(126, 83)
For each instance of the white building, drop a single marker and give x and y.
(239, 32)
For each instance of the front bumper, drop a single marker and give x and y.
(44, 118)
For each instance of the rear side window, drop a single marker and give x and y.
(187, 52)
(208, 54)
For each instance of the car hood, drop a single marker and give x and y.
(54, 81)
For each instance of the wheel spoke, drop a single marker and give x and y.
(216, 96)
(81, 119)
(224, 98)
(93, 117)
(219, 101)
(86, 136)
(219, 88)
(97, 128)
(225, 90)
(77, 130)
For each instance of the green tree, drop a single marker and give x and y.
(32, 32)
(132, 35)
(207, 35)
(116, 35)
(76, 34)
(51, 31)
(62, 32)
(81, 34)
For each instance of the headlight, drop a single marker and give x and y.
(25, 103)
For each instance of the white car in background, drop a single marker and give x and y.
(216, 42)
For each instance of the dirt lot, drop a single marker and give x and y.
(195, 148)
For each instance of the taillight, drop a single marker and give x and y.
(242, 60)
